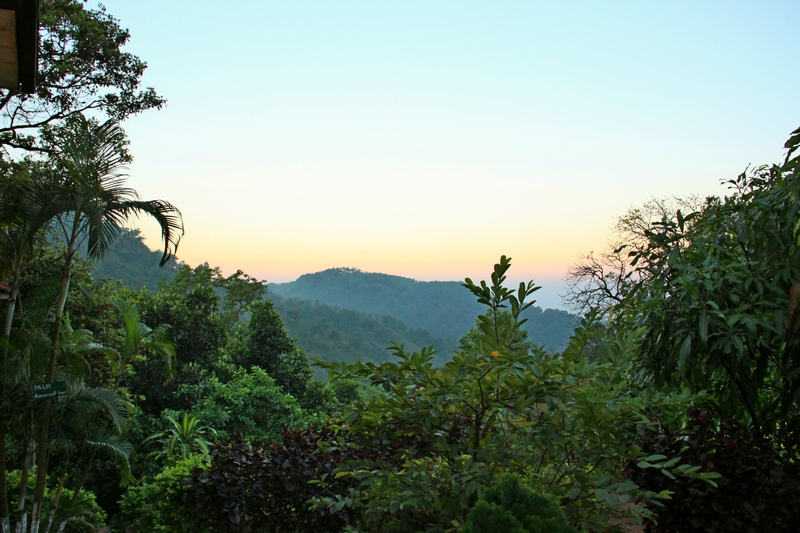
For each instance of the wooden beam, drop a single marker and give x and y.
(28, 44)
(9, 71)
(19, 44)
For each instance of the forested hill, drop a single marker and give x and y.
(444, 308)
(132, 262)
(333, 334)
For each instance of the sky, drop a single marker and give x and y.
(426, 139)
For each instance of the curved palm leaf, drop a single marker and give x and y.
(92, 418)
(140, 336)
(75, 344)
(91, 159)
(117, 448)
(89, 403)
(28, 203)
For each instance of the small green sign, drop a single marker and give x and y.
(56, 389)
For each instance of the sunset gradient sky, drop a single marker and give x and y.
(425, 139)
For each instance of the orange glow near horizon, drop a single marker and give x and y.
(438, 255)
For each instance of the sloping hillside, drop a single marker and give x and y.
(334, 334)
(441, 306)
(444, 308)
(133, 263)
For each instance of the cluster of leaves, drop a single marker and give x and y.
(757, 479)
(721, 319)
(250, 403)
(264, 343)
(156, 503)
(184, 437)
(718, 297)
(81, 68)
(713, 287)
(78, 513)
(512, 507)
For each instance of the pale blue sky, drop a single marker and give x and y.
(426, 139)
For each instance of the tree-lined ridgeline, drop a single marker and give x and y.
(439, 307)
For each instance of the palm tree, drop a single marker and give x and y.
(183, 437)
(27, 205)
(91, 420)
(89, 173)
(89, 180)
(139, 336)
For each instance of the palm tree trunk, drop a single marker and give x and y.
(22, 525)
(10, 308)
(61, 480)
(84, 475)
(44, 429)
(26, 468)
(50, 520)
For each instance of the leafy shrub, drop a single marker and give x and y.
(156, 505)
(250, 403)
(249, 489)
(759, 487)
(512, 507)
(82, 514)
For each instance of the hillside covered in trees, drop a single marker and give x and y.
(335, 334)
(440, 307)
(133, 263)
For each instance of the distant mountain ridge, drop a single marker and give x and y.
(440, 306)
(361, 313)
(443, 308)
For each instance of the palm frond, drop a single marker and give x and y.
(111, 445)
(92, 159)
(89, 403)
(131, 324)
(168, 217)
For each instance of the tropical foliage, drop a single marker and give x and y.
(188, 405)
(513, 507)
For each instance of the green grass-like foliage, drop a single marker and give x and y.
(513, 507)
